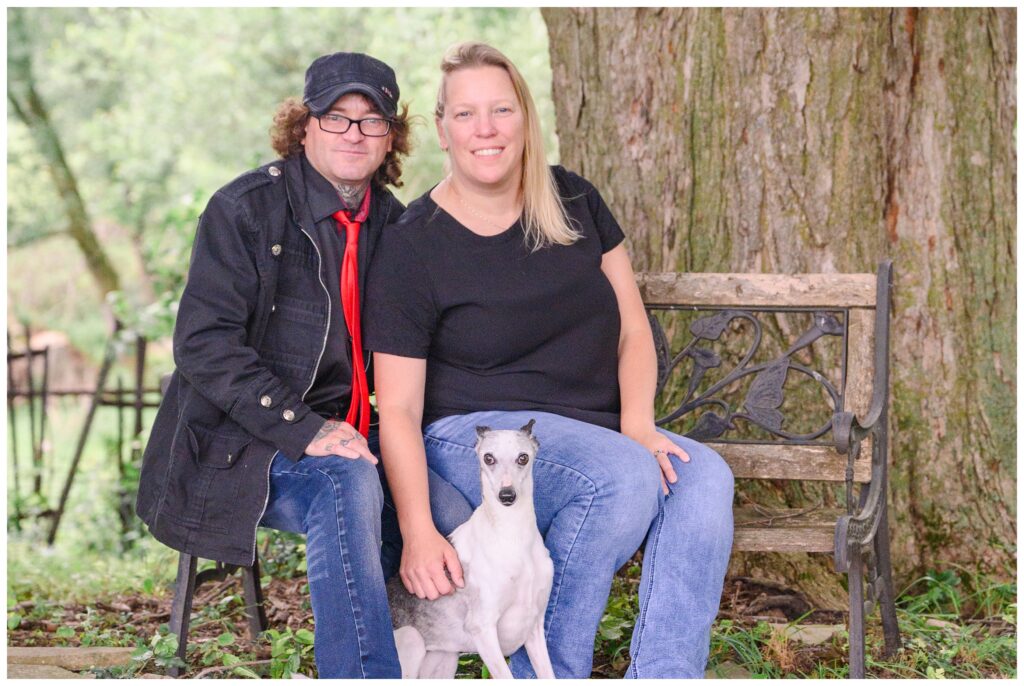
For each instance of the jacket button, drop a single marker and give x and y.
(275, 249)
(288, 416)
(273, 308)
(274, 171)
(266, 401)
(230, 457)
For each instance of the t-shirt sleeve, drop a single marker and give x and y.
(399, 310)
(608, 230)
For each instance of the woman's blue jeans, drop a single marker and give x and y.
(598, 496)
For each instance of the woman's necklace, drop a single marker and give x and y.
(466, 206)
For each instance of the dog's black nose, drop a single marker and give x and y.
(507, 496)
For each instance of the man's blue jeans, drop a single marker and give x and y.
(598, 495)
(337, 503)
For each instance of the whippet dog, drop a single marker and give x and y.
(507, 572)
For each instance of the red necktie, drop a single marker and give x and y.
(359, 411)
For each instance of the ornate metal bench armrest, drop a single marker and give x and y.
(847, 428)
(859, 529)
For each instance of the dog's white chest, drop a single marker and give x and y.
(510, 584)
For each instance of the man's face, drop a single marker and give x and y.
(349, 158)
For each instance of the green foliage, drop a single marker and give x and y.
(615, 630)
(91, 558)
(947, 633)
(743, 645)
(158, 655)
(283, 554)
(290, 653)
(157, 107)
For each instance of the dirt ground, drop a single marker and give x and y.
(119, 621)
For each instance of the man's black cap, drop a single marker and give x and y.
(332, 76)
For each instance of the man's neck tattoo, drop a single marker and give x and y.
(351, 195)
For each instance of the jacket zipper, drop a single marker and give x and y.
(323, 347)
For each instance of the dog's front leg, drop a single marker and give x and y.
(537, 649)
(485, 638)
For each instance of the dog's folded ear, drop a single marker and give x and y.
(481, 430)
(528, 428)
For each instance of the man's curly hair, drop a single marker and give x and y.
(289, 129)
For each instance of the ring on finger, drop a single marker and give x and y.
(659, 451)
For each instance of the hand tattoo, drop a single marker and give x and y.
(329, 426)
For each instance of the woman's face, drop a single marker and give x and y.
(483, 127)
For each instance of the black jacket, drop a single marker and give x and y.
(250, 332)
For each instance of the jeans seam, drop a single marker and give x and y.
(641, 625)
(429, 437)
(347, 566)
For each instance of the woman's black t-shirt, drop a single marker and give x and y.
(501, 327)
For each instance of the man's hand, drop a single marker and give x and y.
(339, 438)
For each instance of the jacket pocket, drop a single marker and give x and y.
(217, 449)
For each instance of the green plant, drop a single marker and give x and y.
(283, 554)
(216, 652)
(942, 594)
(290, 653)
(160, 652)
(731, 641)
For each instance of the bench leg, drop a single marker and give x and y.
(254, 599)
(886, 596)
(181, 607)
(855, 580)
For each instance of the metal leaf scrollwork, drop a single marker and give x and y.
(710, 425)
(711, 327)
(824, 324)
(662, 350)
(765, 395)
(703, 360)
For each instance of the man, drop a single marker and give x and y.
(267, 418)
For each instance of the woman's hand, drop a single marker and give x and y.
(428, 561)
(660, 446)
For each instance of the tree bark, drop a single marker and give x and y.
(32, 112)
(823, 140)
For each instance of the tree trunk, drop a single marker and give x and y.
(32, 112)
(822, 140)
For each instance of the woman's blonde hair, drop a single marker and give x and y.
(546, 221)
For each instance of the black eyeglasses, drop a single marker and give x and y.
(374, 127)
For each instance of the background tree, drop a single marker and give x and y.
(824, 140)
(29, 108)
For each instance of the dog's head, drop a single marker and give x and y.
(506, 462)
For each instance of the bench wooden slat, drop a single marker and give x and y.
(757, 290)
(803, 462)
(785, 530)
(860, 361)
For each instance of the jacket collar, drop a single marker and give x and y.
(312, 198)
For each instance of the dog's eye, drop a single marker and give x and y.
(488, 459)
(523, 459)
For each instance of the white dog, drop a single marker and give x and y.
(507, 572)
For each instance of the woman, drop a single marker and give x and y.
(505, 294)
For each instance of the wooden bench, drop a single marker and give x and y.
(787, 378)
